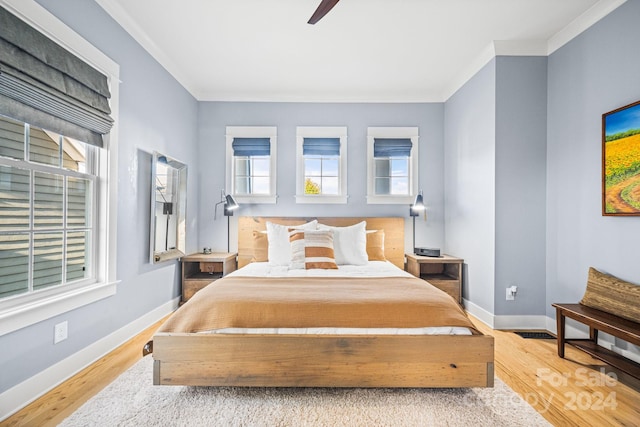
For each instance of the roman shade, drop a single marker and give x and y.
(43, 84)
(251, 147)
(321, 147)
(392, 147)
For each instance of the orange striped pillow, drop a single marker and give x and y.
(312, 249)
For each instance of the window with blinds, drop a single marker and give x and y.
(392, 164)
(47, 204)
(58, 168)
(321, 165)
(251, 163)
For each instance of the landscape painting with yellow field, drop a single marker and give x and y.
(621, 161)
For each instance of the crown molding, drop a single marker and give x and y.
(130, 26)
(482, 59)
(581, 23)
(520, 47)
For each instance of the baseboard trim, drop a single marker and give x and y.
(479, 313)
(521, 322)
(31, 389)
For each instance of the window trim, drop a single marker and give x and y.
(303, 132)
(25, 310)
(411, 133)
(270, 132)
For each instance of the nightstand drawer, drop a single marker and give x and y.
(449, 286)
(191, 286)
(211, 267)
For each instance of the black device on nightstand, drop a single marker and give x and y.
(427, 252)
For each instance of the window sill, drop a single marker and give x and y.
(15, 318)
(321, 199)
(390, 200)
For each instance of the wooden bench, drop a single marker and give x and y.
(599, 320)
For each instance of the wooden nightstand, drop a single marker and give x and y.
(198, 270)
(443, 272)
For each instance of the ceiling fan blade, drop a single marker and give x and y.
(324, 8)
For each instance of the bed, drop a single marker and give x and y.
(311, 327)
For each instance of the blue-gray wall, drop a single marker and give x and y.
(495, 166)
(469, 184)
(521, 149)
(596, 72)
(215, 116)
(156, 113)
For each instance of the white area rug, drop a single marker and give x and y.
(132, 400)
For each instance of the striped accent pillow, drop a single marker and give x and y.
(312, 249)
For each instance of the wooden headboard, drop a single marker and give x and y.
(393, 233)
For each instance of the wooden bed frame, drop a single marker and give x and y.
(323, 360)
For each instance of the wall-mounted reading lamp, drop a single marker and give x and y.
(229, 206)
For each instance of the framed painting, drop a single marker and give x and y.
(621, 161)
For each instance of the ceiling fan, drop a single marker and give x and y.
(324, 8)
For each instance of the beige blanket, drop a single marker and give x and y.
(250, 302)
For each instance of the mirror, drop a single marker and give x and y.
(168, 206)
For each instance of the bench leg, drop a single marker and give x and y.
(560, 326)
(593, 334)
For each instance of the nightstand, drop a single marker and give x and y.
(443, 272)
(199, 270)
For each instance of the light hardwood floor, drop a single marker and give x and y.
(567, 392)
(575, 391)
(62, 401)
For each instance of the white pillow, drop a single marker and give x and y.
(349, 243)
(279, 251)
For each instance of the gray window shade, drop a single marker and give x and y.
(321, 147)
(388, 147)
(251, 147)
(43, 84)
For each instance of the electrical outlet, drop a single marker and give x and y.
(60, 332)
(510, 296)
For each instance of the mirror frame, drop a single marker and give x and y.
(178, 209)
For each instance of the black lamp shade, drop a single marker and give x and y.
(229, 205)
(417, 206)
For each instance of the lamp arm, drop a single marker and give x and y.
(215, 209)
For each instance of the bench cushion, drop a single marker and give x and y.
(613, 295)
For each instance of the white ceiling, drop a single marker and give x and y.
(362, 51)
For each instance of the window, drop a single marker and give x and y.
(251, 163)
(57, 201)
(321, 170)
(47, 209)
(392, 165)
